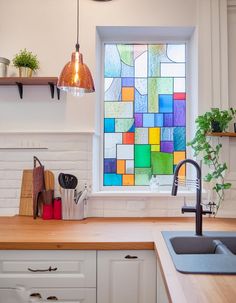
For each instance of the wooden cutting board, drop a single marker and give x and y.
(26, 197)
(49, 180)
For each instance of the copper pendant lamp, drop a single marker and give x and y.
(76, 77)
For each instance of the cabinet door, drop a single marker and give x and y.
(126, 277)
(47, 268)
(162, 296)
(46, 295)
(8, 296)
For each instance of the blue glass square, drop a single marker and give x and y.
(109, 125)
(159, 120)
(148, 120)
(141, 103)
(168, 119)
(112, 180)
(165, 103)
(179, 138)
(127, 82)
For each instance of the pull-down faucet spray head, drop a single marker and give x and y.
(174, 186)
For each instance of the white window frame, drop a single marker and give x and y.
(99, 188)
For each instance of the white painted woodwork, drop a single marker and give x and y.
(62, 295)
(121, 280)
(162, 296)
(74, 268)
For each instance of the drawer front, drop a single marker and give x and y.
(43, 268)
(47, 295)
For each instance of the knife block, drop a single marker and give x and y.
(70, 209)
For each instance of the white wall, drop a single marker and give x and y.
(49, 29)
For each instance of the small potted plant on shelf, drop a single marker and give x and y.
(220, 119)
(26, 62)
(214, 121)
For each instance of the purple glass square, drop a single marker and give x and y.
(179, 113)
(109, 165)
(138, 120)
(168, 119)
(167, 146)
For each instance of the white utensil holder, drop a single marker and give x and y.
(71, 210)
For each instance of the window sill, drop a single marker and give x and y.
(142, 193)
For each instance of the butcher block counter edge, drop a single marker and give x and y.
(125, 234)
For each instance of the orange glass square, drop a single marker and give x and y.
(128, 180)
(128, 138)
(179, 156)
(120, 167)
(127, 93)
(182, 171)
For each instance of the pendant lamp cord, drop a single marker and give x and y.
(77, 42)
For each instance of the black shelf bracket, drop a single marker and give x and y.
(51, 85)
(20, 89)
(58, 93)
(52, 90)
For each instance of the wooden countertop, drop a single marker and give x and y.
(110, 234)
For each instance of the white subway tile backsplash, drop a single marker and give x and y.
(136, 205)
(157, 213)
(9, 211)
(69, 153)
(9, 203)
(117, 204)
(8, 193)
(10, 175)
(72, 153)
(6, 183)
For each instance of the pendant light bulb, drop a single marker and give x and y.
(76, 78)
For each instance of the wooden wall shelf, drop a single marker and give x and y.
(225, 134)
(21, 81)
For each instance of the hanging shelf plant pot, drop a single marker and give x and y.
(216, 127)
(25, 72)
(26, 62)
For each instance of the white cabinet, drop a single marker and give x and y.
(162, 296)
(74, 276)
(35, 268)
(46, 295)
(28, 276)
(126, 277)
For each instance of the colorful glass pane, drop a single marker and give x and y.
(144, 112)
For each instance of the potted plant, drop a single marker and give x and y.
(209, 152)
(220, 119)
(26, 62)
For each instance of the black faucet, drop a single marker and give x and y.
(197, 209)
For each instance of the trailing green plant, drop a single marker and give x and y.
(26, 59)
(210, 152)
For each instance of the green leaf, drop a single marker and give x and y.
(208, 177)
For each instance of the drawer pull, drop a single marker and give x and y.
(52, 298)
(36, 295)
(42, 270)
(131, 257)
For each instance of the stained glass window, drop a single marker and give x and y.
(144, 112)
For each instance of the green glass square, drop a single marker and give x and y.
(142, 155)
(162, 163)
